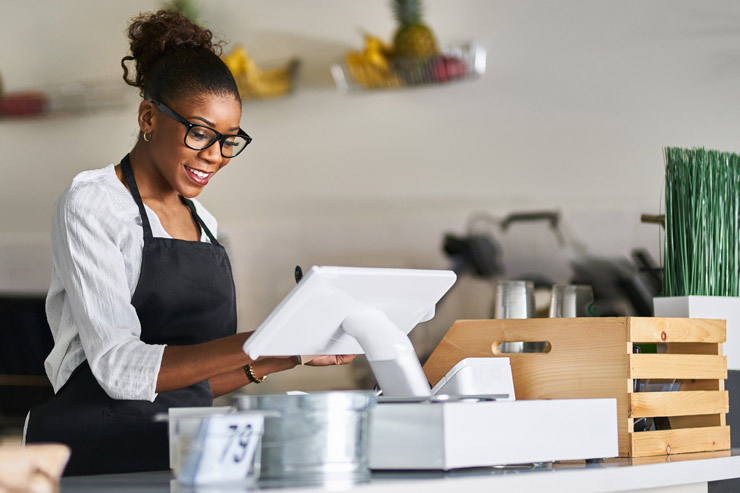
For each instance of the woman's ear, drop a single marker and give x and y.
(146, 116)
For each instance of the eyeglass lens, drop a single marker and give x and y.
(202, 137)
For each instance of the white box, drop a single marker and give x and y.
(453, 435)
(718, 307)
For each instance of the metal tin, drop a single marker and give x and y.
(318, 438)
(513, 299)
(571, 300)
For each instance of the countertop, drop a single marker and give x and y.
(680, 473)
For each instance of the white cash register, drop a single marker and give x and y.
(470, 419)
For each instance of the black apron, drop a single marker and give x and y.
(185, 295)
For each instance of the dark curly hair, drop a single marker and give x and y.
(174, 58)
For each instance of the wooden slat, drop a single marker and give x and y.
(679, 366)
(693, 348)
(702, 385)
(701, 421)
(655, 329)
(651, 404)
(658, 459)
(663, 442)
(24, 381)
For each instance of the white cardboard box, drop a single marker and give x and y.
(454, 435)
(719, 307)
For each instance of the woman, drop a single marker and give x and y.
(141, 302)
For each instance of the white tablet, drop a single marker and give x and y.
(309, 319)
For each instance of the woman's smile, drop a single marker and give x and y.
(198, 176)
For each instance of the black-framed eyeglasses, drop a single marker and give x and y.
(199, 137)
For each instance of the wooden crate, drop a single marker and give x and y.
(593, 358)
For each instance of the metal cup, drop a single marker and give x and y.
(513, 299)
(571, 300)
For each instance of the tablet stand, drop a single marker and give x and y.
(389, 352)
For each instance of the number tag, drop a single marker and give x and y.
(223, 449)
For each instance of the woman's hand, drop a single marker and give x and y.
(331, 359)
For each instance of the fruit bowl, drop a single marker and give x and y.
(368, 73)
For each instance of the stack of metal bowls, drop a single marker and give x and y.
(316, 438)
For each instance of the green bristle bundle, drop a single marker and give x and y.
(702, 197)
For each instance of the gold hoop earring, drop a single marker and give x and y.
(147, 136)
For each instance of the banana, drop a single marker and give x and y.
(370, 67)
(254, 81)
(235, 60)
(373, 43)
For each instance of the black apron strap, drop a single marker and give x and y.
(128, 175)
(198, 220)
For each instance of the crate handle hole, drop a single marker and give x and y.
(518, 347)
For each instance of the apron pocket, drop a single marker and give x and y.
(133, 441)
(72, 426)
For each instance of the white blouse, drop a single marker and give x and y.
(96, 245)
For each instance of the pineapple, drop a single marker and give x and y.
(413, 38)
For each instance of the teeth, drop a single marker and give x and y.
(197, 173)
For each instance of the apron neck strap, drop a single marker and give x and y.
(128, 175)
(189, 203)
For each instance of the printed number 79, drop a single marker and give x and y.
(239, 439)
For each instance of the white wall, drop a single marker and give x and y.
(578, 100)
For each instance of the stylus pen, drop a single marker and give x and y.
(298, 273)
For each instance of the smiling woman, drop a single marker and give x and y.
(184, 155)
(141, 303)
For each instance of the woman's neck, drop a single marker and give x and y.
(150, 182)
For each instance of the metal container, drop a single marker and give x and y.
(318, 438)
(513, 299)
(571, 300)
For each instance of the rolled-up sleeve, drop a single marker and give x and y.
(88, 260)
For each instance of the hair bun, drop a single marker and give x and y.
(155, 34)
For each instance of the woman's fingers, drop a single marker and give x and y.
(332, 359)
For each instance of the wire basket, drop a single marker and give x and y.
(454, 63)
(69, 97)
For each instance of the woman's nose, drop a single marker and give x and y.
(212, 154)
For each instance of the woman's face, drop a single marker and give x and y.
(183, 169)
